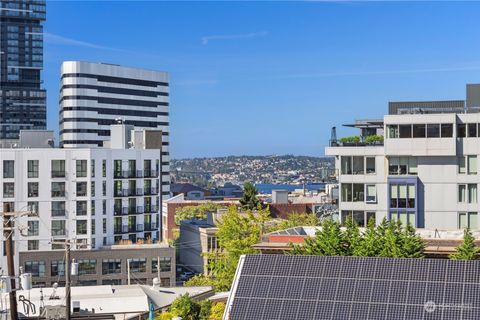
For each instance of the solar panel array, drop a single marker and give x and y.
(313, 287)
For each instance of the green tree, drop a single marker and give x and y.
(351, 237)
(185, 307)
(467, 250)
(391, 241)
(328, 241)
(249, 200)
(216, 313)
(412, 244)
(195, 212)
(199, 280)
(294, 220)
(205, 309)
(369, 242)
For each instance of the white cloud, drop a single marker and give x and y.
(207, 39)
(57, 39)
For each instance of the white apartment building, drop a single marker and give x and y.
(94, 96)
(95, 197)
(425, 171)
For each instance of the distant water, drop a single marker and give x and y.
(267, 187)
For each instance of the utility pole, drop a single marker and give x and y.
(68, 297)
(8, 229)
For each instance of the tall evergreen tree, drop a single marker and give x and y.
(249, 200)
(412, 244)
(467, 250)
(328, 241)
(370, 244)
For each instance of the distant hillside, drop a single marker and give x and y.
(210, 172)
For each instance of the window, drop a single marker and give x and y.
(346, 165)
(467, 220)
(104, 168)
(104, 207)
(346, 192)
(371, 193)
(92, 226)
(212, 243)
(92, 168)
(165, 264)
(36, 268)
(392, 131)
(81, 168)
(92, 188)
(405, 217)
(57, 268)
(433, 130)
(104, 225)
(82, 189)
(58, 168)
(32, 206)
(132, 168)
(138, 265)
(87, 266)
(467, 193)
(472, 164)
(370, 165)
(112, 282)
(117, 168)
(8, 190)
(58, 208)
(58, 189)
(472, 193)
(32, 168)
(32, 189)
(92, 207)
(358, 192)
(33, 245)
(8, 168)
(402, 196)
(82, 227)
(110, 266)
(361, 218)
(462, 165)
(104, 188)
(447, 130)
(405, 131)
(32, 228)
(402, 165)
(81, 208)
(419, 130)
(358, 165)
(58, 228)
(461, 130)
(472, 130)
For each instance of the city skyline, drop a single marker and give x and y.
(226, 72)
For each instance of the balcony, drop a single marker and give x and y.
(118, 211)
(150, 191)
(151, 209)
(120, 229)
(58, 173)
(139, 192)
(150, 174)
(58, 194)
(150, 226)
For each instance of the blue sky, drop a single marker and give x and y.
(261, 78)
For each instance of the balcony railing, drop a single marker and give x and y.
(150, 226)
(150, 173)
(120, 229)
(58, 212)
(58, 173)
(150, 191)
(58, 232)
(59, 194)
(151, 209)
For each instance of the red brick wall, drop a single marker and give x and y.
(286, 238)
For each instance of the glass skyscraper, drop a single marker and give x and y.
(22, 99)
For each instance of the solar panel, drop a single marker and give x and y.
(351, 288)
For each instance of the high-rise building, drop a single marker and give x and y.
(95, 95)
(22, 99)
